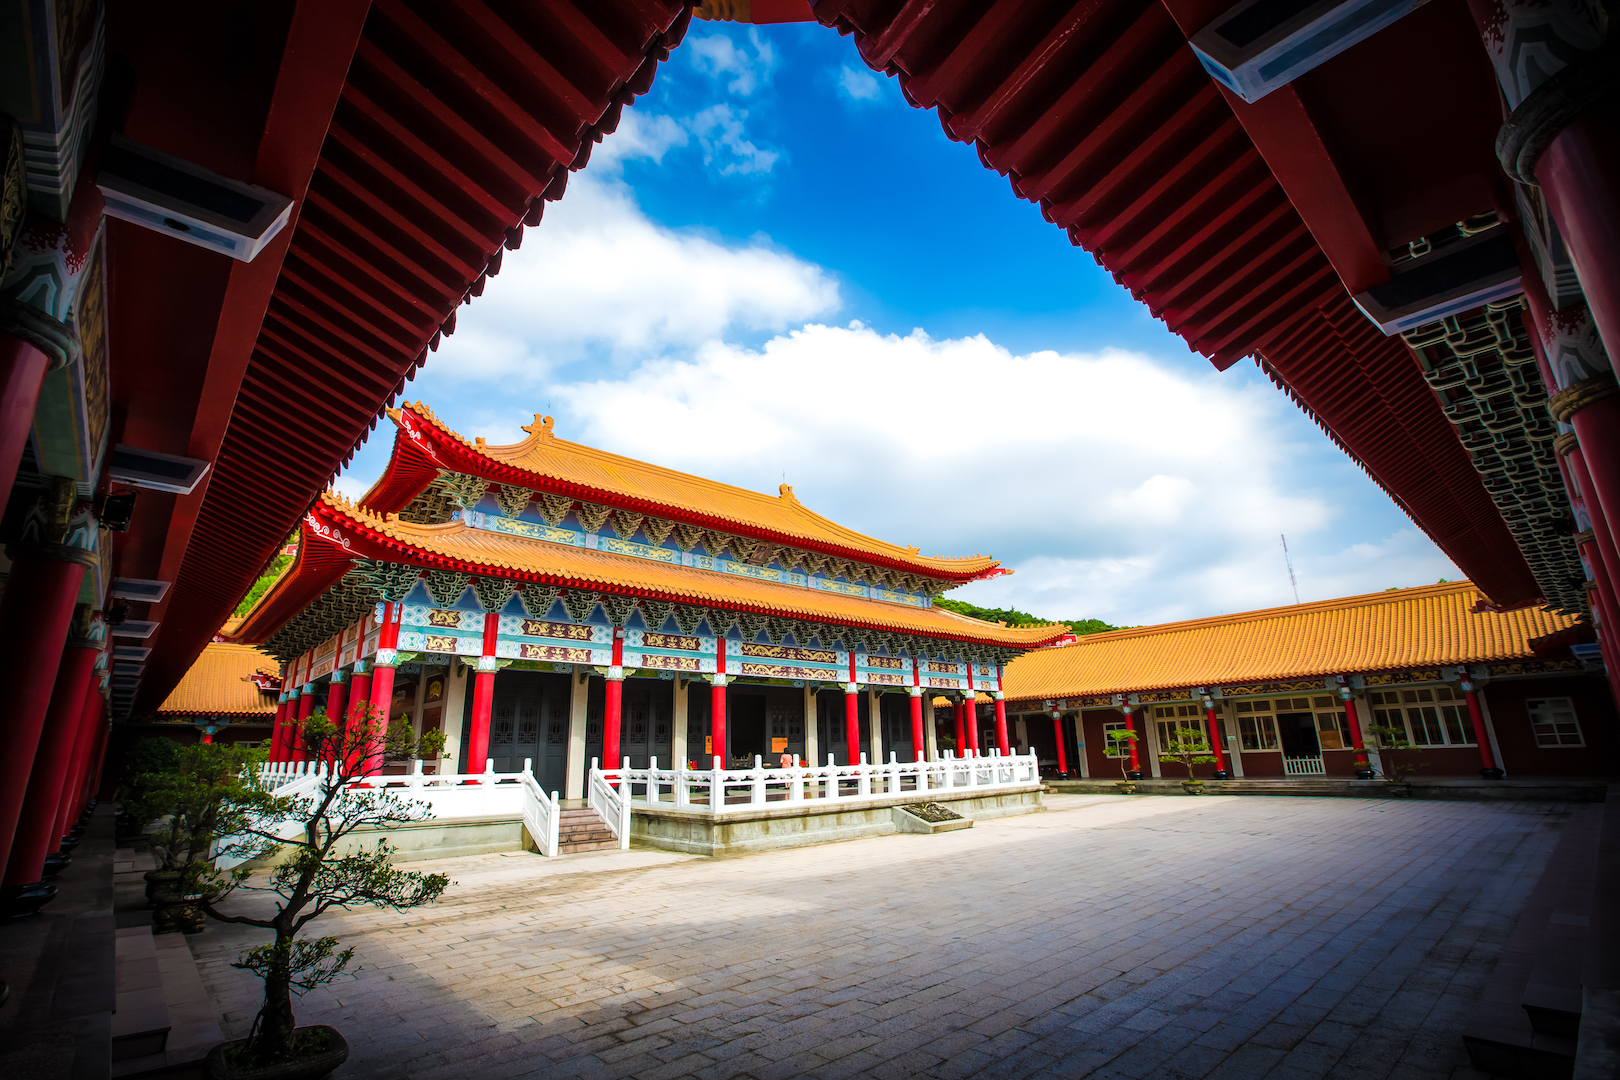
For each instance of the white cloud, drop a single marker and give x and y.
(719, 130)
(858, 85)
(640, 135)
(1112, 511)
(718, 56)
(598, 279)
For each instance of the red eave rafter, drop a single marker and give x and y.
(458, 457)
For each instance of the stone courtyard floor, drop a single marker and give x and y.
(1109, 937)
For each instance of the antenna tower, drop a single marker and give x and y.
(1290, 564)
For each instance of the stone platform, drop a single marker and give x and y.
(764, 828)
(1557, 789)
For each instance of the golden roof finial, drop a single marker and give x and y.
(787, 493)
(543, 424)
(480, 442)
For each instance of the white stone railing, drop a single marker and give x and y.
(724, 791)
(447, 796)
(611, 805)
(1304, 766)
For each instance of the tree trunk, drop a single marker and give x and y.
(274, 1038)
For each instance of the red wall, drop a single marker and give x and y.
(1594, 708)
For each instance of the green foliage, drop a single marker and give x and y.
(1014, 617)
(1119, 742)
(1400, 757)
(1187, 747)
(266, 579)
(320, 871)
(200, 798)
(147, 766)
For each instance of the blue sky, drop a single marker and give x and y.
(778, 271)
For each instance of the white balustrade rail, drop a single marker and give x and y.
(1304, 766)
(612, 806)
(721, 791)
(446, 796)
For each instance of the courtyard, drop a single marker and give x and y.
(1109, 937)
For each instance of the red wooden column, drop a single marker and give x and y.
(717, 708)
(852, 713)
(337, 696)
(1490, 768)
(382, 686)
(1354, 723)
(1561, 133)
(1215, 738)
(68, 807)
(22, 375)
(971, 701)
(36, 610)
(613, 705)
(1001, 724)
(36, 836)
(1130, 725)
(360, 692)
(483, 697)
(1063, 755)
(919, 745)
(962, 708)
(306, 709)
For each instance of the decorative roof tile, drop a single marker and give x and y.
(1431, 626)
(455, 545)
(219, 683)
(544, 462)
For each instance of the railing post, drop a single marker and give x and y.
(756, 795)
(863, 777)
(624, 811)
(796, 785)
(683, 795)
(832, 778)
(652, 780)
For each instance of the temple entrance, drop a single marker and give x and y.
(745, 725)
(1298, 734)
(647, 722)
(529, 719)
(897, 740)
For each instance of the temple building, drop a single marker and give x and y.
(553, 603)
(1299, 691)
(230, 695)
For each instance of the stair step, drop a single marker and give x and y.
(588, 845)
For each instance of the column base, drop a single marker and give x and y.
(55, 863)
(23, 901)
(1133, 775)
(1492, 774)
(1220, 774)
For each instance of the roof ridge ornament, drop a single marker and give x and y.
(541, 428)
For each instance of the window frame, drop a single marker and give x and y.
(1123, 753)
(1530, 714)
(1449, 715)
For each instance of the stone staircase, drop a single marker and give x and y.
(582, 830)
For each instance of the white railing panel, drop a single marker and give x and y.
(1304, 766)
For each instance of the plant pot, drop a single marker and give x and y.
(1193, 787)
(1126, 787)
(160, 880)
(313, 1066)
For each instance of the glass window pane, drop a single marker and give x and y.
(1425, 725)
(1425, 694)
(1409, 696)
(1248, 733)
(1268, 732)
(1322, 703)
(1458, 726)
(1245, 706)
(1554, 722)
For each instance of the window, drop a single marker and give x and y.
(1187, 719)
(1257, 728)
(1553, 721)
(1114, 750)
(1430, 715)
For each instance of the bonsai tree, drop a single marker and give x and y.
(1393, 739)
(197, 804)
(1119, 743)
(1187, 747)
(320, 868)
(148, 764)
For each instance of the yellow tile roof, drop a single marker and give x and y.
(749, 512)
(218, 684)
(584, 568)
(1431, 626)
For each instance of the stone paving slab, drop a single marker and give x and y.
(1112, 937)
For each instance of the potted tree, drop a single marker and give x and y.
(1400, 759)
(318, 866)
(200, 800)
(1188, 747)
(1119, 742)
